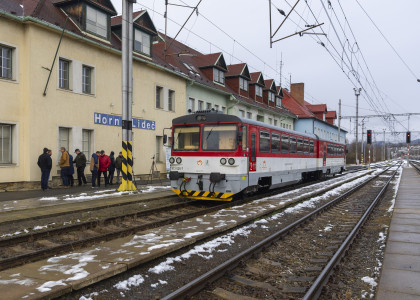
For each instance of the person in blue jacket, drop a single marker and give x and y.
(94, 166)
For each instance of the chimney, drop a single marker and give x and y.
(298, 92)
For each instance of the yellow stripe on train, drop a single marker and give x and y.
(204, 195)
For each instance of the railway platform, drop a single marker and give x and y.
(400, 275)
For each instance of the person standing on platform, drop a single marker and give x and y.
(80, 161)
(45, 164)
(65, 166)
(104, 163)
(118, 166)
(111, 168)
(94, 167)
(71, 170)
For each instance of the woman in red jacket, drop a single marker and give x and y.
(104, 163)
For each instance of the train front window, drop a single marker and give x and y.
(186, 138)
(219, 137)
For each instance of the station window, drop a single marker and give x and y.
(159, 92)
(284, 143)
(64, 74)
(292, 145)
(208, 105)
(200, 105)
(87, 142)
(264, 141)
(142, 42)
(191, 105)
(87, 80)
(5, 62)
(96, 22)
(218, 76)
(275, 143)
(243, 84)
(258, 91)
(5, 144)
(63, 139)
(158, 154)
(171, 100)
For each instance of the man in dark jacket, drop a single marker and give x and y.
(80, 162)
(71, 170)
(104, 163)
(111, 168)
(45, 164)
(118, 166)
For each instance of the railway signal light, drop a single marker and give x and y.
(408, 137)
(369, 137)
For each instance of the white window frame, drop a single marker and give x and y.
(191, 105)
(223, 109)
(9, 60)
(258, 91)
(200, 105)
(61, 74)
(241, 113)
(158, 148)
(249, 115)
(270, 96)
(218, 76)
(5, 127)
(144, 39)
(278, 101)
(93, 26)
(84, 83)
(158, 93)
(88, 143)
(243, 84)
(171, 100)
(216, 107)
(208, 105)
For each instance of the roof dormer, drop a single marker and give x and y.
(92, 16)
(269, 93)
(238, 78)
(144, 31)
(213, 66)
(256, 86)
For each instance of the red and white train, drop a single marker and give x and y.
(216, 156)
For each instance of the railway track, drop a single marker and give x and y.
(283, 270)
(18, 250)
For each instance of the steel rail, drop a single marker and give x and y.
(199, 283)
(316, 288)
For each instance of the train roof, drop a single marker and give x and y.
(212, 116)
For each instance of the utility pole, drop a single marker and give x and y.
(357, 93)
(363, 146)
(127, 95)
(384, 147)
(339, 118)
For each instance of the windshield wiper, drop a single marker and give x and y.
(209, 134)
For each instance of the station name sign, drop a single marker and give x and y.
(112, 120)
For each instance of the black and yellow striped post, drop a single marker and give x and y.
(127, 167)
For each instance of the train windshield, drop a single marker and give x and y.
(186, 138)
(219, 137)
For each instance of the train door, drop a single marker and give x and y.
(253, 151)
(325, 155)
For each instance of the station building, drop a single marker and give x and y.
(60, 86)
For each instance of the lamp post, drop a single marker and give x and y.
(357, 93)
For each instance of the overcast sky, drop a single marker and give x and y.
(390, 87)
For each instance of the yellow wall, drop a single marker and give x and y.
(39, 117)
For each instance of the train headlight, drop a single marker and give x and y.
(172, 160)
(178, 160)
(231, 161)
(223, 161)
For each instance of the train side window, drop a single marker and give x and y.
(244, 138)
(292, 145)
(275, 143)
(299, 145)
(252, 146)
(264, 141)
(284, 143)
(306, 146)
(311, 147)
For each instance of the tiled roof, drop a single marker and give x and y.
(117, 20)
(104, 4)
(268, 83)
(207, 60)
(317, 107)
(332, 114)
(292, 105)
(235, 70)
